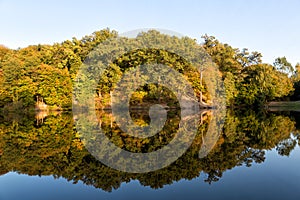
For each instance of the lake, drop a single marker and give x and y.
(244, 154)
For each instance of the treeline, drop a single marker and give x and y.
(44, 74)
(247, 80)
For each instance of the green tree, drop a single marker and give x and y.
(223, 55)
(282, 65)
(53, 85)
(262, 83)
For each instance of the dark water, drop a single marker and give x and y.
(255, 155)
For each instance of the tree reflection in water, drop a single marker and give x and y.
(53, 147)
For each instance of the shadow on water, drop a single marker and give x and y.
(49, 144)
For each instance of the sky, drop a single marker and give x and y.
(271, 27)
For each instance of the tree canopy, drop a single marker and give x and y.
(45, 73)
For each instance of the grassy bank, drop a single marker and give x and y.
(284, 106)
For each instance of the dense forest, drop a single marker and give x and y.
(44, 74)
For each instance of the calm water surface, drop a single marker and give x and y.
(256, 156)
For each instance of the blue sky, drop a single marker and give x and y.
(271, 27)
